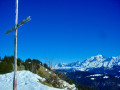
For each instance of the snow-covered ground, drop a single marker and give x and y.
(106, 77)
(92, 78)
(95, 75)
(26, 80)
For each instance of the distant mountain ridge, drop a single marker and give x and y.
(100, 72)
(98, 61)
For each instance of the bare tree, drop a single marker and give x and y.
(49, 62)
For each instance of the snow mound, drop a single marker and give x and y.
(96, 75)
(26, 80)
(106, 77)
(92, 78)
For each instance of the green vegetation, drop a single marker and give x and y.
(6, 65)
(52, 79)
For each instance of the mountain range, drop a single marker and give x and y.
(98, 61)
(99, 72)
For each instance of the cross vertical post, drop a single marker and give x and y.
(15, 42)
(15, 49)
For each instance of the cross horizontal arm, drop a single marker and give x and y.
(24, 21)
(19, 24)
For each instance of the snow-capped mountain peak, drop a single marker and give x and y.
(93, 62)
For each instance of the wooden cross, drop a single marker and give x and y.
(15, 49)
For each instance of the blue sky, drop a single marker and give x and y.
(61, 30)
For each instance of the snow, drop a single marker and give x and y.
(119, 85)
(81, 69)
(26, 80)
(46, 70)
(65, 84)
(117, 76)
(49, 72)
(105, 64)
(95, 75)
(93, 62)
(92, 78)
(119, 63)
(106, 77)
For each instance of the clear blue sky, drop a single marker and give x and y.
(61, 30)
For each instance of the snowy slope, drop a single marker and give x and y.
(93, 62)
(26, 80)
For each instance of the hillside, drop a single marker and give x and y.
(26, 81)
(28, 67)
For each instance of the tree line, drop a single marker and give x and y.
(7, 64)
